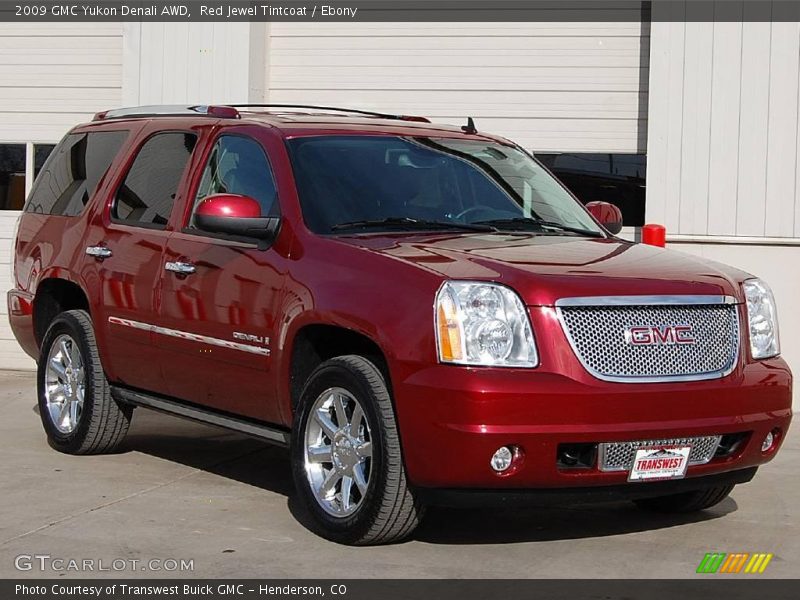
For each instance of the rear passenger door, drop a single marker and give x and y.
(125, 251)
(218, 310)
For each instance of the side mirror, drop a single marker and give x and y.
(608, 215)
(235, 215)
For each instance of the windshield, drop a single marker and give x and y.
(386, 183)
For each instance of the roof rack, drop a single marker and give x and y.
(169, 110)
(229, 111)
(354, 111)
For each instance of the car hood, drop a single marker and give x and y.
(544, 268)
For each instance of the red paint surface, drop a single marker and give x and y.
(229, 205)
(606, 213)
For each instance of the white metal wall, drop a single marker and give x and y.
(723, 142)
(56, 75)
(193, 63)
(549, 86)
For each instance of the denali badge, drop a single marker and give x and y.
(249, 337)
(656, 335)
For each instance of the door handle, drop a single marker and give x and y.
(99, 252)
(180, 268)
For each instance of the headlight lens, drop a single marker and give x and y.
(483, 324)
(763, 319)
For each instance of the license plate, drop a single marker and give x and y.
(656, 463)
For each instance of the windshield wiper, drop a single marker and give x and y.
(411, 223)
(524, 223)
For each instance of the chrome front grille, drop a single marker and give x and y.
(618, 456)
(599, 331)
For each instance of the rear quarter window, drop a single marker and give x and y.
(71, 174)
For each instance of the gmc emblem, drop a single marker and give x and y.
(655, 335)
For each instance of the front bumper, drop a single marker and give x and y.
(477, 498)
(452, 419)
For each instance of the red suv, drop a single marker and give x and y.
(422, 313)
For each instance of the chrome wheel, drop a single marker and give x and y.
(338, 452)
(65, 384)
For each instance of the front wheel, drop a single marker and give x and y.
(686, 502)
(346, 456)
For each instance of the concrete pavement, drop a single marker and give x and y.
(183, 491)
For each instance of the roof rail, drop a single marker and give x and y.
(354, 111)
(169, 110)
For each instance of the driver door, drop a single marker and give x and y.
(220, 296)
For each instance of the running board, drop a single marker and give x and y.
(269, 433)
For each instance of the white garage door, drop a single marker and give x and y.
(54, 76)
(564, 87)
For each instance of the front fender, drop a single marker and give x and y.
(389, 304)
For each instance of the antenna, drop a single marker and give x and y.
(469, 127)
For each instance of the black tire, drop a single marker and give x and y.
(103, 422)
(686, 502)
(387, 512)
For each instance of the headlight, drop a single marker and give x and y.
(483, 324)
(763, 319)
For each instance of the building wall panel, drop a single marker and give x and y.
(54, 75)
(723, 123)
(549, 86)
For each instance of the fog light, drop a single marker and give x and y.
(502, 459)
(768, 442)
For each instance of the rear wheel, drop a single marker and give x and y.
(346, 456)
(686, 502)
(75, 404)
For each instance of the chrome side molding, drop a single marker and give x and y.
(192, 337)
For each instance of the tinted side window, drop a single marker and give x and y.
(71, 174)
(148, 192)
(238, 165)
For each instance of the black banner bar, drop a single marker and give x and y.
(343, 11)
(708, 588)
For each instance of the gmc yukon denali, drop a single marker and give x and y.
(421, 313)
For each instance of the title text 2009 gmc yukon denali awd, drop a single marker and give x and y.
(421, 312)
